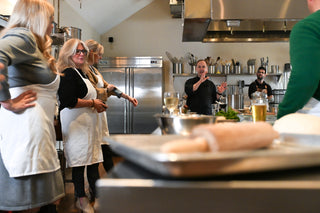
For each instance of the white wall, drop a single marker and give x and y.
(152, 31)
(70, 18)
(6, 7)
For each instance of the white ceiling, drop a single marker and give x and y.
(103, 15)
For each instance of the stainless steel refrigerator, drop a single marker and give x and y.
(139, 77)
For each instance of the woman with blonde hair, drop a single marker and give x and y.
(104, 90)
(79, 108)
(30, 175)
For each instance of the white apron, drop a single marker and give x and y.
(80, 132)
(103, 123)
(312, 107)
(27, 139)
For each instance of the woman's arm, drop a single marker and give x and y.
(129, 98)
(96, 104)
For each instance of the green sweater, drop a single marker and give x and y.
(305, 59)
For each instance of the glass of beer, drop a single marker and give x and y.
(259, 109)
(171, 101)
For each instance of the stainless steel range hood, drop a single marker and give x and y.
(241, 20)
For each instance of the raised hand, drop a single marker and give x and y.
(222, 87)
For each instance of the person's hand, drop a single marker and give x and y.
(222, 87)
(20, 103)
(265, 91)
(133, 101)
(2, 77)
(99, 105)
(203, 77)
(110, 87)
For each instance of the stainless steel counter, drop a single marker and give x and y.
(288, 183)
(130, 188)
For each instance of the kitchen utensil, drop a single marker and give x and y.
(208, 61)
(192, 60)
(233, 63)
(286, 78)
(251, 69)
(72, 32)
(193, 69)
(278, 95)
(235, 101)
(181, 124)
(226, 69)
(170, 57)
(275, 69)
(212, 69)
(237, 69)
(287, 67)
(181, 60)
(218, 58)
(175, 68)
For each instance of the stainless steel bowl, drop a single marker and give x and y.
(181, 124)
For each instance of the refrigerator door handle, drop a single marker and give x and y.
(125, 108)
(129, 105)
(128, 108)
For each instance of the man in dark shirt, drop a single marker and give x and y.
(201, 91)
(260, 85)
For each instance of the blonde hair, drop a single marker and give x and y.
(93, 46)
(36, 16)
(67, 51)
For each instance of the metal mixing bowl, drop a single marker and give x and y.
(181, 124)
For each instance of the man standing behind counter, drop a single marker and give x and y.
(303, 90)
(260, 85)
(201, 91)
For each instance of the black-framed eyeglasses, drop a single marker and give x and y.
(78, 52)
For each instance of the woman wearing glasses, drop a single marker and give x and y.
(79, 108)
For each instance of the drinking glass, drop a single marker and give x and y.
(215, 109)
(259, 108)
(171, 101)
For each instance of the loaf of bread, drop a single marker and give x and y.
(224, 137)
(298, 123)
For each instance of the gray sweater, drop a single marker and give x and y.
(24, 63)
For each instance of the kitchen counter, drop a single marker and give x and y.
(131, 188)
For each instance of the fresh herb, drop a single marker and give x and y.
(230, 114)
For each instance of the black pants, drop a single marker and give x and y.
(107, 157)
(78, 180)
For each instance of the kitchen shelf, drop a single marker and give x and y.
(193, 75)
(225, 75)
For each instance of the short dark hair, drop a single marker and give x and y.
(262, 68)
(202, 60)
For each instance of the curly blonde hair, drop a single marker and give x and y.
(37, 16)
